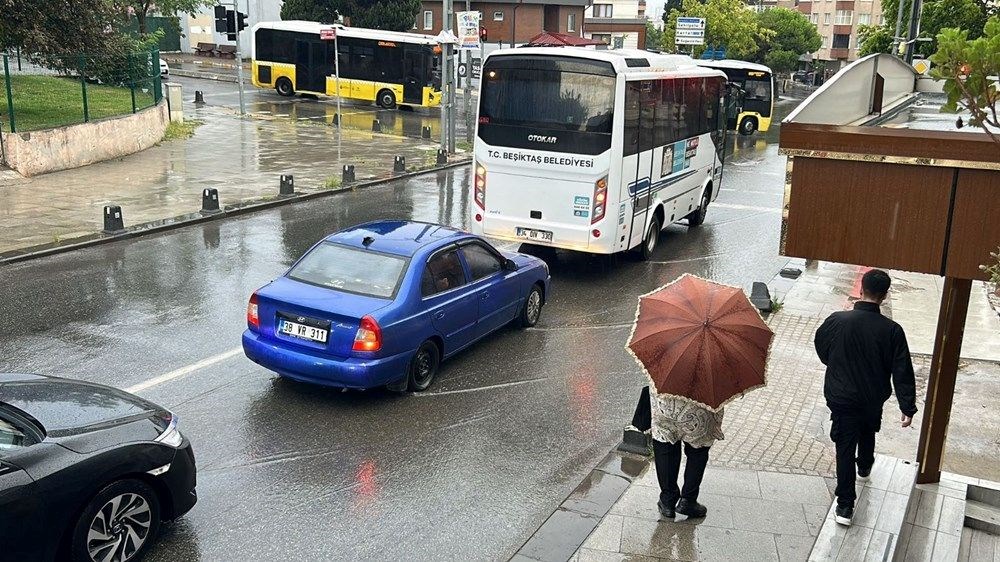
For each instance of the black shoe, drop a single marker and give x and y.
(844, 515)
(864, 475)
(691, 508)
(667, 512)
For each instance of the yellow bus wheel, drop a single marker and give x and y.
(748, 126)
(284, 87)
(386, 99)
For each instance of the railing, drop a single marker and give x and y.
(47, 91)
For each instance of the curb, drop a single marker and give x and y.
(171, 223)
(202, 75)
(568, 527)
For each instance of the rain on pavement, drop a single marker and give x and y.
(466, 470)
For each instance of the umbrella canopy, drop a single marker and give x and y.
(700, 340)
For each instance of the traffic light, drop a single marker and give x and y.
(220, 19)
(482, 34)
(241, 21)
(231, 25)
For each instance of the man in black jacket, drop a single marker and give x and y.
(865, 355)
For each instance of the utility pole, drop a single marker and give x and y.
(231, 23)
(911, 37)
(239, 55)
(447, 78)
(896, 37)
(468, 85)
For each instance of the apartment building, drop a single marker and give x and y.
(837, 22)
(511, 21)
(619, 23)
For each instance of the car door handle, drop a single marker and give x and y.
(439, 315)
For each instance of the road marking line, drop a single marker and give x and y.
(478, 388)
(184, 371)
(746, 207)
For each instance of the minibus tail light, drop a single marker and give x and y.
(600, 200)
(480, 186)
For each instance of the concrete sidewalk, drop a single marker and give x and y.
(769, 485)
(242, 158)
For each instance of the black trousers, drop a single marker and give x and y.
(854, 435)
(668, 466)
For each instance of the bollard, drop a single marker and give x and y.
(399, 164)
(286, 186)
(348, 174)
(114, 223)
(209, 201)
(376, 126)
(425, 133)
(199, 96)
(336, 119)
(442, 157)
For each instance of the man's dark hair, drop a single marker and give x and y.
(876, 283)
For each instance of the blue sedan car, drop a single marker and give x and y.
(383, 303)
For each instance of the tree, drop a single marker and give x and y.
(390, 15)
(323, 11)
(792, 35)
(941, 14)
(56, 27)
(728, 23)
(141, 9)
(969, 68)
(874, 39)
(654, 38)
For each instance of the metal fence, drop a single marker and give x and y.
(46, 91)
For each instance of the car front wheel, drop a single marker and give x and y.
(118, 524)
(424, 367)
(532, 309)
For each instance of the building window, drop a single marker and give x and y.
(844, 17)
(814, 18)
(428, 19)
(825, 42)
(864, 19)
(841, 41)
(605, 37)
(602, 10)
(571, 22)
(498, 15)
(826, 18)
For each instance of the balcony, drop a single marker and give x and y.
(845, 5)
(840, 54)
(842, 29)
(804, 6)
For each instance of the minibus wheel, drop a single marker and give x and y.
(649, 242)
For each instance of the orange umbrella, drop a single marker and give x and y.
(700, 340)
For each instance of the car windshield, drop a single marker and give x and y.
(347, 269)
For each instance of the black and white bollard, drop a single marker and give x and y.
(114, 223)
(209, 201)
(286, 186)
(199, 96)
(442, 157)
(399, 164)
(336, 119)
(376, 126)
(425, 133)
(348, 174)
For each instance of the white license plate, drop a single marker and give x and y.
(303, 331)
(532, 234)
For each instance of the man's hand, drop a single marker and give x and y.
(906, 421)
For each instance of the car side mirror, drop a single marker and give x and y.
(509, 265)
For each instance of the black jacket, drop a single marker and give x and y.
(865, 355)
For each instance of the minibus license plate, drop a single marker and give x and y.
(532, 234)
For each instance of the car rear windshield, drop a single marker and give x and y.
(363, 272)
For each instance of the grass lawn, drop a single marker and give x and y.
(43, 102)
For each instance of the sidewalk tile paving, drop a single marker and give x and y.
(769, 486)
(242, 158)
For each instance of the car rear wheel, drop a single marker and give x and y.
(118, 525)
(424, 367)
(532, 309)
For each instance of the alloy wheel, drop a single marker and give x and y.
(534, 306)
(119, 529)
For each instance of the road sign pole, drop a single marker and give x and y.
(336, 74)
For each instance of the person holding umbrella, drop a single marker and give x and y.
(702, 345)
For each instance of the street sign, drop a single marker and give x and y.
(689, 33)
(689, 40)
(690, 23)
(328, 34)
(477, 67)
(468, 30)
(463, 70)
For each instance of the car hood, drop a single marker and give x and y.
(67, 407)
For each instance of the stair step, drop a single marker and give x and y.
(982, 516)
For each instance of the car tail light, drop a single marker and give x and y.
(253, 319)
(480, 191)
(600, 200)
(369, 336)
(596, 233)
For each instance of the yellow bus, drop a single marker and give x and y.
(757, 103)
(386, 67)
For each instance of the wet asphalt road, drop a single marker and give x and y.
(466, 470)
